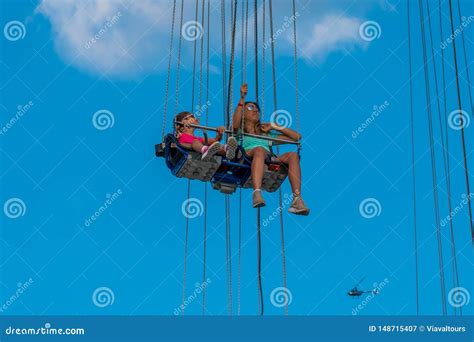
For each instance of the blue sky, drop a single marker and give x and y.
(63, 168)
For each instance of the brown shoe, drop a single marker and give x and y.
(257, 199)
(298, 207)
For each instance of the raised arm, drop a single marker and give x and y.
(219, 134)
(284, 133)
(287, 132)
(237, 117)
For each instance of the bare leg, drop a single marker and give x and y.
(294, 170)
(258, 155)
(197, 145)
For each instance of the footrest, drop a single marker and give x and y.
(225, 188)
(273, 177)
(195, 168)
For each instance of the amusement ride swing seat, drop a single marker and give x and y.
(225, 175)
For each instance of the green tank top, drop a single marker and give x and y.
(249, 143)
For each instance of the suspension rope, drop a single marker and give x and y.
(262, 107)
(178, 67)
(262, 112)
(433, 159)
(461, 123)
(246, 38)
(204, 271)
(204, 268)
(244, 67)
(259, 238)
(227, 202)
(239, 265)
(466, 63)
(455, 274)
(189, 182)
(186, 238)
(259, 263)
(280, 195)
(270, 4)
(231, 66)
(201, 61)
(444, 149)
(413, 162)
(168, 75)
(229, 104)
(228, 256)
(224, 58)
(239, 253)
(255, 8)
(433, 60)
(295, 55)
(194, 58)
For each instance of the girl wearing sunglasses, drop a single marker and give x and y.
(186, 137)
(259, 149)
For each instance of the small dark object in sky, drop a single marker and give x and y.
(355, 292)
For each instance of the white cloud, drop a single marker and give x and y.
(127, 38)
(332, 33)
(109, 37)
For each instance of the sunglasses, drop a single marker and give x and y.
(251, 107)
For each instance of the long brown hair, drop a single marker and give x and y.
(178, 118)
(257, 124)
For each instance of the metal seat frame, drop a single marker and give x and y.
(225, 175)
